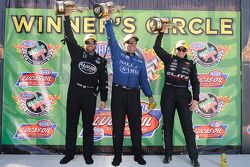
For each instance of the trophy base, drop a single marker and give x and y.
(59, 7)
(100, 10)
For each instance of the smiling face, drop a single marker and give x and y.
(181, 52)
(130, 45)
(90, 45)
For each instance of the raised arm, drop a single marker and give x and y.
(161, 53)
(69, 36)
(113, 44)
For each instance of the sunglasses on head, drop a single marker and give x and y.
(90, 42)
(182, 49)
(131, 42)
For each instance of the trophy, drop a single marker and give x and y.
(59, 7)
(102, 9)
(152, 105)
(156, 23)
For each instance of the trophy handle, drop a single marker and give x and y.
(117, 8)
(80, 9)
(170, 24)
(59, 7)
(174, 25)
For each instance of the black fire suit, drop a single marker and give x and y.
(175, 95)
(88, 73)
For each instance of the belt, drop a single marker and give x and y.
(124, 87)
(176, 86)
(85, 86)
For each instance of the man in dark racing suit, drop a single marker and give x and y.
(88, 73)
(176, 95)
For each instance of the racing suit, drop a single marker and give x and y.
(176, 95)
(88, 73)
(129, 76)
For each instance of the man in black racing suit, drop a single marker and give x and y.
(88, 73)
(176, 95)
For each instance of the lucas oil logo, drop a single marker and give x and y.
(214, 130)
(103, 123)
(43, 129)
(37, 52)
(207, 54)
(35, 104)
(210, 105)
(44, 77)
(214, 79)
(87, 67)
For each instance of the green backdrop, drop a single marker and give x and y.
(36, 74)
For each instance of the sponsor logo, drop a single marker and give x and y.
(210, 105)
(103, 123)
(87, 67)
(35, 104)
(214, 79)
(37, 52)
(178, 76)
(126, 67)
(214, 130)
(43, 129)
(44, 77)
(207, 54)
(101, 49)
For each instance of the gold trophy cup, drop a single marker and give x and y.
(101, 10)
(59, 7)
(156, 23)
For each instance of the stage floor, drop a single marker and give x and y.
(17, 160)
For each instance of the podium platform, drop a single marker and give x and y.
(17, 160)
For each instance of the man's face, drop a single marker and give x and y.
(90, 45)
(130, 45)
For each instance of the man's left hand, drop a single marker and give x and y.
(151, 99)
(193, 105)
(102, 105)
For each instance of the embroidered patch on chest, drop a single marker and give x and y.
(87, 67)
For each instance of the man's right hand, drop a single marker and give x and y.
(67, 11)
(108, 17)
(164, 27)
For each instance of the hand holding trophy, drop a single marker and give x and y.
(102, 10)
(161, 24)
(60, 7)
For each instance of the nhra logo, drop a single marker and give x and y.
(214, 79)
(210, 106)
(103, 123)
(206, 54)
(37, 52)
(44, 77)
(101, 49)
(43, 129)
(214, 130)
(35, 104)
